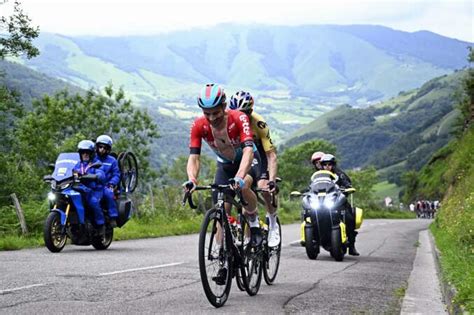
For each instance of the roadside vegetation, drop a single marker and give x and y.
(449, 176)
(453, 228)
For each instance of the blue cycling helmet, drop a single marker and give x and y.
(242, 101)
(212, 95)
(86, 146)
(106, 140)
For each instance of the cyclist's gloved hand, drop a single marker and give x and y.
(237, 182)
(272, 186)
(189, 185)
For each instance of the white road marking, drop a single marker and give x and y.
(140, 269)
(6, 291)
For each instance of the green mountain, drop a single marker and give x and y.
(32, 84)
(296, 73)
(400, 133)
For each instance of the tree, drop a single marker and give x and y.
(363, 181)
(410, 182)
(56, 124)
(294, 164)
(16, 33)
(466, 104)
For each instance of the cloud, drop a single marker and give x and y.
(125, 17)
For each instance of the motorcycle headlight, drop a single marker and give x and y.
(51, 196)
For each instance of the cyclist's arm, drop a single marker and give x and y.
(194, 164)
(263, 133)
(246, 140)
(246, 162)
(194, 160)
(272, 164)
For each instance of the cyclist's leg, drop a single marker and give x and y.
(250, 197)
(221, 178)
(251, 179)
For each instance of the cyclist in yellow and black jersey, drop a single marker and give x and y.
(243, 101)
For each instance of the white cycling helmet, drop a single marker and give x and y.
(242, 101)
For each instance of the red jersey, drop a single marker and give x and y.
(227, 146)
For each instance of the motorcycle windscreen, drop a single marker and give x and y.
(64, 165)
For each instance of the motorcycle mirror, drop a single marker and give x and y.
(295, 194)
(47, 178)
(52, 165)
(349, 190)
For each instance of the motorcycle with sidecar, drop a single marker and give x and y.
(70, 218)
(324, 216)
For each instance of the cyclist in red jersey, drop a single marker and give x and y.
(229, 135)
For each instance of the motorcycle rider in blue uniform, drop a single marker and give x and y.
(93, 190)
(103, 146)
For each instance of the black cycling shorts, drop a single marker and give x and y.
(226, 171)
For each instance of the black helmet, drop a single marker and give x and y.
(328, 158)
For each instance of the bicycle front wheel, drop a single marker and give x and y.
(272, 259)
(214, 259)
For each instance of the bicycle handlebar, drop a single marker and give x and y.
(188, 195)
(272, 195)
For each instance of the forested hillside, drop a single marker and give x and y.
(31, 84)
(403, 131)
(296, 73)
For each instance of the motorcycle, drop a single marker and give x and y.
(70, 218)
(324, 217)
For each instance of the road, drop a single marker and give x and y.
(162, 276)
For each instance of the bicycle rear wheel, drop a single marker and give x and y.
(253, 261)
(272, 259)
(214, 259)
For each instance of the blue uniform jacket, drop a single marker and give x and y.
(83, 168)
(110, 169)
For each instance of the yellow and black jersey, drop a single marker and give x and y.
(261, 132)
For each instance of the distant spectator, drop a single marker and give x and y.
(412, 207)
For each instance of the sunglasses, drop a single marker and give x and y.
(100, 146)
(326, 164)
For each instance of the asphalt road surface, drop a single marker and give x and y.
(161, 275)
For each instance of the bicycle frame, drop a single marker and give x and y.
(221, 212)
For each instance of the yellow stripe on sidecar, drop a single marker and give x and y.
(359, 217)
(343, 232)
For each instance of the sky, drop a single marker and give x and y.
(452, 18)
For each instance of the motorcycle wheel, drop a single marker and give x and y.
(311, 244)
(103, 242)
(337, 250)
(53, 238)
